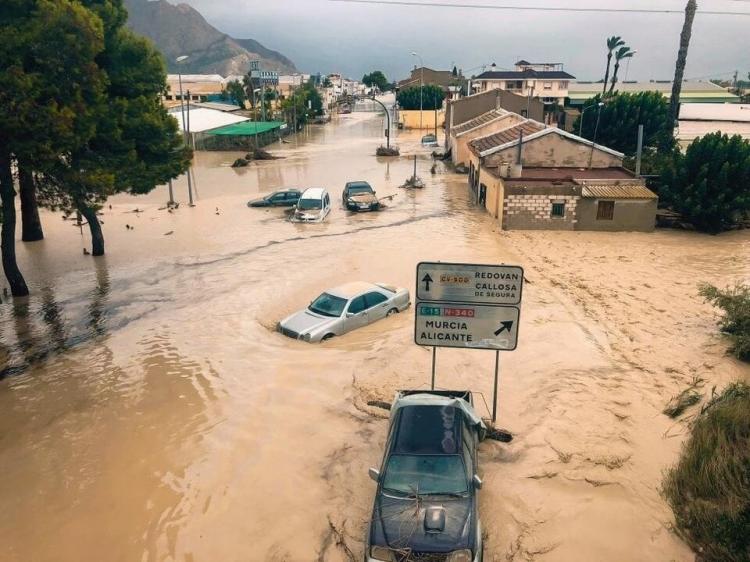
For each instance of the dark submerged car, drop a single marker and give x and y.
(360, 196)
(426, 503)
(284, 198)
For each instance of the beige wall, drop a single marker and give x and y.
(554, 150)
(637, 215)
(460, 144)
(468, 108)
(411, 120)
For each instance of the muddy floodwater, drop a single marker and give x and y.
(149, 411)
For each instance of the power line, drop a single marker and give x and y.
(536, 8)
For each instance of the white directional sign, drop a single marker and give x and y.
(468, 326)
(470, 283)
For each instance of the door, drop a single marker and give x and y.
(278, 199)
(356, 314)
(377, 306)
(291, 198)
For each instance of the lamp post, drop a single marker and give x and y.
(178, 60)
(185, 127)
(421, 85)
(255, 91)
(583, 111)
(596, 131)
(627, 66)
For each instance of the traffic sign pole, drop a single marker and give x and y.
(494, 394)
(434, 353)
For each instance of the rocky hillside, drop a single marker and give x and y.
(181, 30)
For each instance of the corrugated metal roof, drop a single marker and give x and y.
(715, 112)
(203, 119)
(688, 87)
(484, 119)
(611, 191)
(247, 128)
(505, 136)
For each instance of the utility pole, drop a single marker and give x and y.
(596, 131)
(421, 87)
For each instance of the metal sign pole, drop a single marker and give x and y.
(494, 397)
(434, 351)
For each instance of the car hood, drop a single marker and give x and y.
(367, 198)
(306, 320)
(405, 523)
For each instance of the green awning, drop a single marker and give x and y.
(246, 128)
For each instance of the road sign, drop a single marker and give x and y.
(469, 283)
(467, 326)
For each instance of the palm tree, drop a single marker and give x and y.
(621, 54)
(679, 71)
(612, 44)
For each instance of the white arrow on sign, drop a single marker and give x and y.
(468, 326)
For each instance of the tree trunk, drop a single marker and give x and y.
(17, 283)
(614, 78)
(97, 238)
(606, 74)
(31, 226)
(679, 71)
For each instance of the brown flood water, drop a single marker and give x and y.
(150, 412)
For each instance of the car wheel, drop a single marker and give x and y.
(327, 337)
(392, 311)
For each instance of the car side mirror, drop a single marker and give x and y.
(349, 314)
(374, 474)
(476, 481)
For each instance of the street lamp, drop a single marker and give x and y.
(178, 60)
(583, 111)
(255, 91)
(421, 85)
(596, 131)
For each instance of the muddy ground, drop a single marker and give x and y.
(150, 412)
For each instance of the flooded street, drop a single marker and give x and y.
(151, 412)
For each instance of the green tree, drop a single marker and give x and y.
(621, 54)
(376, 79)
(710, 183)
(236, 92)
(136, 145)
(49, 80)
(432, 98)
(620, 117)
(613, 43)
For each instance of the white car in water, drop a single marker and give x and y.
(313, 206)
(343, 309)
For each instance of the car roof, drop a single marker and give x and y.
(353, 289)
(356, 183)
(428, 430)
(313, 193)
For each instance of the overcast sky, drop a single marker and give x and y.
(324, 36)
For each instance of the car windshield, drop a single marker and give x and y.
(309, 204)
(359, 188)
(425, 475)
(328, 305)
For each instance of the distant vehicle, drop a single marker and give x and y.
(343, 309)
(313, 205)
(284, 198)
(426, 501)
(359, 196)
(430, 140)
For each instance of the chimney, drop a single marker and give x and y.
(517, 168)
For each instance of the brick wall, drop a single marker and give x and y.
(534, 212)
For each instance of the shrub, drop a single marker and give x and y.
(709, 489)
(735, 302)
(710, 183)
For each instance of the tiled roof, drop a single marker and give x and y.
(526, 75)
(505, 136)
(610, 191)
(484, 119)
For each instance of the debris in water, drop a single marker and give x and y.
(379, 404)
(169, 233)
(385, 151)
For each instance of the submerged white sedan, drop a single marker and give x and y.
(343, 309)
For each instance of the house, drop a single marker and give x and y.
(693, 91)
(429, 77)
(547, 82)
(483, 125)
(535, 177)
(458, 112)
(700, 119)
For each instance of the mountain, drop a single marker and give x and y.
(181, 30)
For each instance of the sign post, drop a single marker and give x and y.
(468, 306)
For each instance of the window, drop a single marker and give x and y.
(358, 305)
(374, 299)
(548, 85)
(563, 85)
(278, 198)
(606, 211)
(558, 210)
(328, 305)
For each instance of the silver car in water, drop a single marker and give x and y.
(343, 309)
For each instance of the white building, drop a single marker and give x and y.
(700, 119)
(546, 81)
